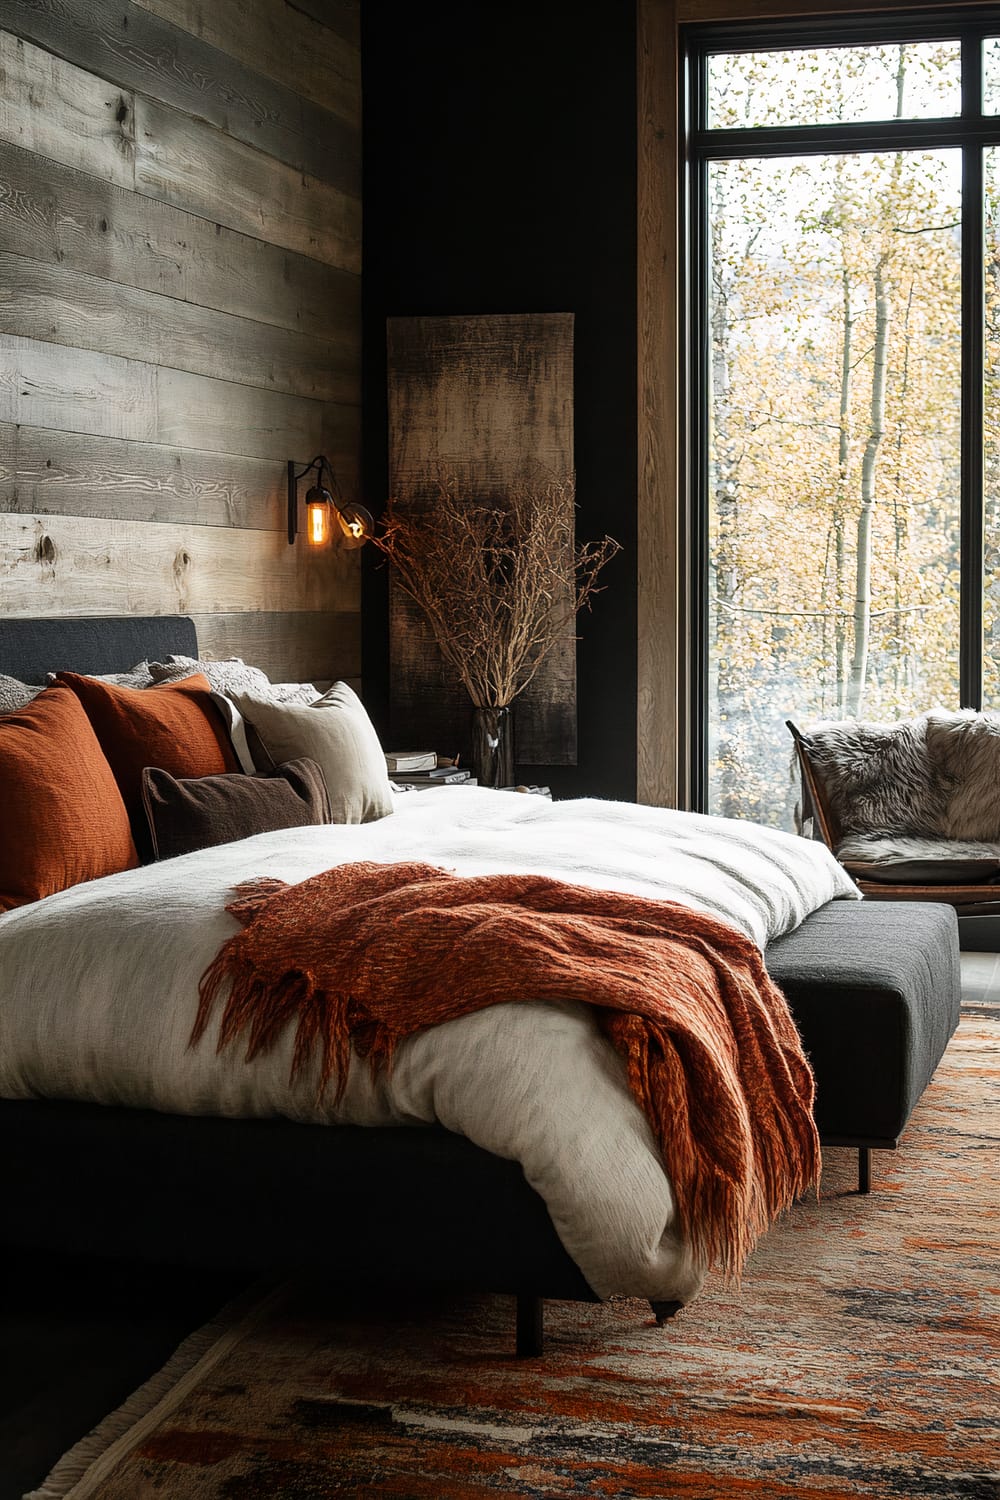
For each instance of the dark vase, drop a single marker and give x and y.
(493, 746)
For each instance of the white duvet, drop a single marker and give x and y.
(98, 993)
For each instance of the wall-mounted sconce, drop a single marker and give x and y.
(324, 506)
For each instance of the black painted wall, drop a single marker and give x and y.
(499, 176)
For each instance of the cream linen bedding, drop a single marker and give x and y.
(98, 986)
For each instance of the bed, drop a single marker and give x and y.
(250, 1177)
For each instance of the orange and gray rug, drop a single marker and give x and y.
(859, 1358)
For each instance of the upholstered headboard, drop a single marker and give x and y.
(105, 643)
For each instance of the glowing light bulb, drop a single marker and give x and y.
(317, 515)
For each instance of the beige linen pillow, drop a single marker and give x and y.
(337, 733)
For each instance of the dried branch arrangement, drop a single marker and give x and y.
(499, 584)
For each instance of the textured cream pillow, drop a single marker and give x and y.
(336, 732)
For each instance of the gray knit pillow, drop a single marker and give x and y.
(234, 675)
(230, 676)
(15, 694)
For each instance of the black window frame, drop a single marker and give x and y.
(971, 131)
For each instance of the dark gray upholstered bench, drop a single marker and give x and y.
(875, 990)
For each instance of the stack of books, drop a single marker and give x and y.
(410, 760)
(423, 768)
(438, 776)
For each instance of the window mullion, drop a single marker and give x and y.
(816, 140)
(971, 551)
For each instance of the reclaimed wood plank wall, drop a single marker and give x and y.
(180, 314)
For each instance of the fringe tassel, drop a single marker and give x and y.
(260, 1010)
(727, 1200)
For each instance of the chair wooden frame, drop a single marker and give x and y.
(968, 899)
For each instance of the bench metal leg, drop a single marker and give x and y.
(864, 1169)
(530, 1336)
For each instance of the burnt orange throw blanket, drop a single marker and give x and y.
(368, 954)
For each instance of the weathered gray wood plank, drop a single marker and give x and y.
(282, 43)
(289, 647)
(186, 163)
(66, 217)
(45, 385)
(64, 306)
(195, 412)
(45, 472)
(487, 402)
(53, 109)
(73, 565)
(136, 50)
(77, 390)
(50, 107)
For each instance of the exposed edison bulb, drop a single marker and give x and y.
(317, 522)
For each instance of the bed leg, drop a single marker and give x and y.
(864, 1169)
(529, 1326)
(664, 1311)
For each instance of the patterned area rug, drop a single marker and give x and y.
(859, 1358)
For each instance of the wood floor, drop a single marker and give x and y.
(77, 1337)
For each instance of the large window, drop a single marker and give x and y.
(845, 376)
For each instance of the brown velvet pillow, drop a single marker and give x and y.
(62, 819)
(174, 725)
(196, 813)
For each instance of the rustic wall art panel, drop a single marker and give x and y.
(485, 403)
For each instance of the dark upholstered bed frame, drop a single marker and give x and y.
(874, 991)
(31, 648)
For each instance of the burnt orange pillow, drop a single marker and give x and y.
(62, 819)
(174, 725)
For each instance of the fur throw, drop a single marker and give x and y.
(965, 749)
(932, 777)
(920, 861)
(878, 778)
(880, 846)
